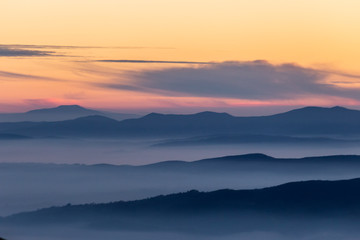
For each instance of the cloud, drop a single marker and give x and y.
(34, 46)
(151, 61)
(28, 46)
(27, 50)
(17, 75)
(34, 103)
(20, 52)
(77, 95)
(41, 102)
(256, 80)
(13, 75)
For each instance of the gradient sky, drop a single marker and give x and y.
(240, 56)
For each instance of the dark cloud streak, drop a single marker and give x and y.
(31, 46)
(13, 75)
(23, 50)
(19, 52)
(257, 80)
(151, 61)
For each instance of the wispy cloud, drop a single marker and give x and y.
(42, 102)
(33, 46)
(28, 46)
(19, 52)
(257, 80)
(21, 76)
(27, 50)
(151, 61)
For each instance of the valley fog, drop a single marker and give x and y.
(75, 171)
(76, 234)
(140, 152)
(55, 172)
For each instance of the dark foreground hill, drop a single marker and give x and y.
(291, 206)
(309, 121)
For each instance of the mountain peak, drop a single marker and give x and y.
(339, 108)
(315, 111)
(315, 108)
(209, 114)
(154, 114)
(63, 109)
(69, 107)
(250, 156)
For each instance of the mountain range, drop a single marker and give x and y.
(60, 113)
(305, 122)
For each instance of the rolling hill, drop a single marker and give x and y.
(297, 205)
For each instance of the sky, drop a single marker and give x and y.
(246, 57)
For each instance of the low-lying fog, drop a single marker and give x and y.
(27, 187)
(77, 234)
(139, 152)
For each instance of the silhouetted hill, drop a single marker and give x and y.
(310, 121)
(89, 126)
(319, 120)
(321, 113)
(261, 162)
(222, 210)
(305, 121)
(65, 109)
(60, 113)
(156, 124)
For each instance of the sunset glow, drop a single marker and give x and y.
(92, 53)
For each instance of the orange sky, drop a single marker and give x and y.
(322, 35)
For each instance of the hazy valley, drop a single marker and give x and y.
(152, 165)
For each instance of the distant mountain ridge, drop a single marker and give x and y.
(313, 111)
(304, 121)
(64, 109)
(308, 121)
(60, 113)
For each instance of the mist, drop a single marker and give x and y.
(57, 172)
(38, 173)
(142, 151)
(75, 234)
